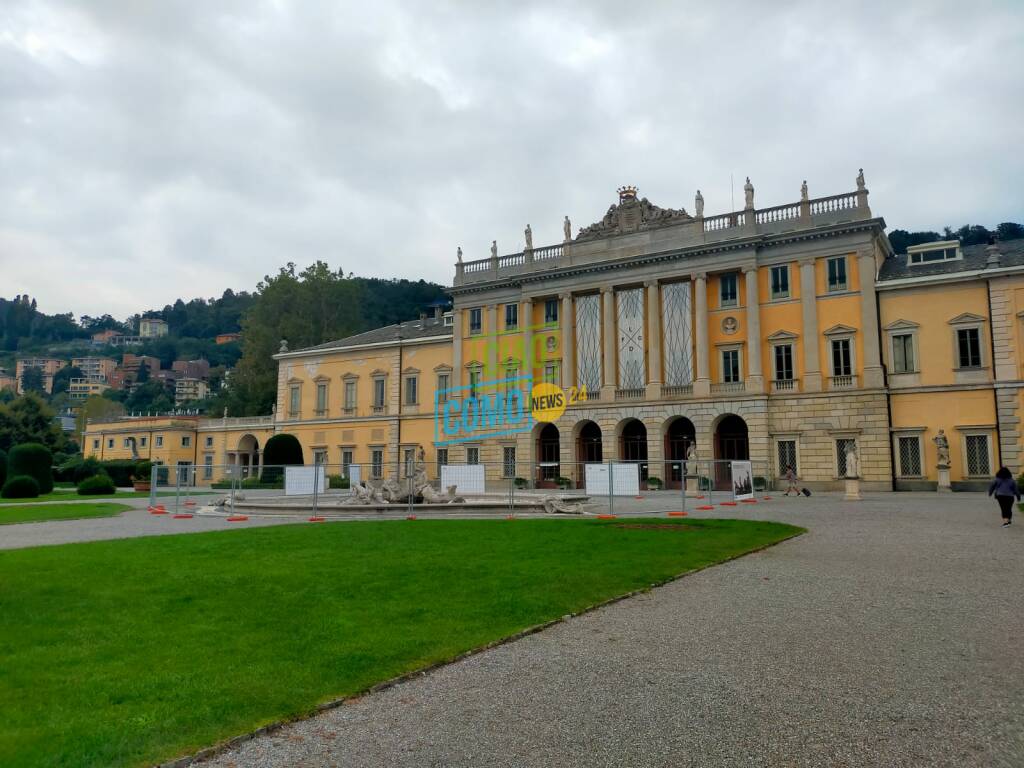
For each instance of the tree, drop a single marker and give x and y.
(62, 377)
(28, 419)
(34, 460)
(150, 397)
(32, 380)
(1009, 230)
(97, 409)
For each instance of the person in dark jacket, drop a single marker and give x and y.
(1005, 489)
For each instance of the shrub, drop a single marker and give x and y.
(121, 471)
(34, 460)
(86, 468)
(281, 450)
(520, 482)
(704, 483)
(97, 485)
(563, 482)
(654, 483)
(144, 471)
(3, 467)
(760, 483)
(20, 487)
(337, 481)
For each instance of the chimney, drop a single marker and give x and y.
(438, 312)
(994, 257)
(423, 319)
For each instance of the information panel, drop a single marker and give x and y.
(298, 481)
(625, 479)
(742, 480)
(469, 478)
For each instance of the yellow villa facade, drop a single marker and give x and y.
(783, 335)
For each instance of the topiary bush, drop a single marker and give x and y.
(34, 460)
(281, 450)
(3, 467)
(337, 482)
(520, 482)
(97, 485)
(563, 482)
(20, 487)
(654, 483)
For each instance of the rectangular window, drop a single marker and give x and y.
(472, 455)
(186, 441)
(346, 461)
(780, 281)
(411, 390)
(551, 373)
(551, 311)
(127, 442)
(786, 452)
(442, 459)
(294, 393)
(159, 441)
(968, 342)
(730, 366)
(841, 445)
(784, 362)
(511, 317)
(842, 363)
(144, 440)
(319, 455)
(474, 381)
(508, 462)
(207, 467)
(110, 442)
(442, 386)
(909, 456)
(321, 399)
(476, 322)
(903, 353)
(209, 441)
(409, 460)
(978, 464)
(837, 273)
(350, 396)
(95, 445)
(377, 463)
(727, 290)
(937, 254)
(378, 393)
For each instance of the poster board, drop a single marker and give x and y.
(298, 481)
(625, 479)
(355, 475)
(469, 478)
(742, 480)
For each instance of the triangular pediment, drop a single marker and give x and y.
(782, 336)
(840, 330)
(443, 368)
(901, 325)
(967, 317)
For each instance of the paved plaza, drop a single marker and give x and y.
(888, 635)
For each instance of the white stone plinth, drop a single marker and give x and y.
(852, 489)
(943, 486)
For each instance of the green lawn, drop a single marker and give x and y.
(139, 650)
(69, 494)
(31, 513)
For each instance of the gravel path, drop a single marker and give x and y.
(889, 635)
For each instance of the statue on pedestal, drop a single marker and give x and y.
(860, 179)
(852, 462)
(942, 449)
(748, 193)
(458, 254)
(494, 249)
(529, 237)
(567, 229)
(803, 192)
(698, 204)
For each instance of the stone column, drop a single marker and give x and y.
(608, 368)
(456, 348)
(755, 373)
(526, 323)
(873, 377)
(654, 379)
(567, 323)
(809, 305)
(492, 343)
(702, 384)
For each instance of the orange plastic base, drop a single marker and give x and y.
(510, 517)
(158, 511)
(638, 497)
(677, 514)
(766, 498)
(315, 519)
(706, 507)
(183, 516)
(410, 517)
(189, 504)
(237, 518)
(749, 501)
(727, 503)
(606, 517)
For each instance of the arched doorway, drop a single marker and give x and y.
(247, 457)
(730, 444)
(589, 448)
(633, 446)
(548, 451)
(679, 437)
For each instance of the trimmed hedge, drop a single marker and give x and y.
(3, 467)
(97, 485)
(34, 460)
(20, 487)
(337, 481)
(281, 449)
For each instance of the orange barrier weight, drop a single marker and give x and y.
(157, 511)
(316, 519)
(410, 517)
(189, 504)
(237, 518)
(727, 503)
(749, 501)
(766, 498)
(638, 497)
(182, 516)
(606, 517)
(510, 517)
(677, 514)
(706, 507)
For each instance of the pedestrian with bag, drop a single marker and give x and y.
(1005, 489)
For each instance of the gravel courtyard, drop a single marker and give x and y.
(889, 635)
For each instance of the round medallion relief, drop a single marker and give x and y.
(730, 325)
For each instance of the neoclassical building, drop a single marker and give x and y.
(777, 334)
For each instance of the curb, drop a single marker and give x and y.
(237, 741)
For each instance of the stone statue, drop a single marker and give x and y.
(555, 505)
(852, 463)
(698, 204)
(803, 192)
(494, 249)
(529, 237)
(748, 193)
(284, 346)
(691, 452)
(567, 229)
(942, 448)
(458, 254)
(225, 411)
(860, 179)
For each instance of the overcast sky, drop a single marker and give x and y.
(151, 149)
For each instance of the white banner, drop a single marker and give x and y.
(742, 480)
(355, 475)
(468, 478)
(625, 479)
(298, 481)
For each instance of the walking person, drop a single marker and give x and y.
(791, 481)
(1005, 489)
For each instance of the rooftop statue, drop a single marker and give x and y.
(748, 194)
(494, 249)
(458, 254)
(632, 215)
(567, 228)
(698, 205)
(529, 237)
(803, 192)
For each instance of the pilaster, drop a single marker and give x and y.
(456, 347)
(755, 372)
(492, 345)
(608, 369)
(526, 323)
(873, 376)
(566, 322)
(809, 306)
(654, 376)
(702, 384)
